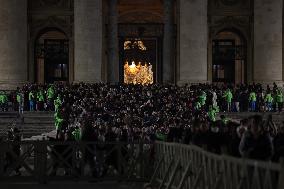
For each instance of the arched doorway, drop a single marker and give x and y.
(51, 56)
(140, 53)
(229, 57)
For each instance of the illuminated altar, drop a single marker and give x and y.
(138, 74)
(139, 71)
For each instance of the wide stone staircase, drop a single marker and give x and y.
(34, 125)
(30, 124)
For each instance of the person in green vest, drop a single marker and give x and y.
(20, 101)
(228, 97)
(279, 100)
(58, 123)
(252, 100)
(197, 105)
(3, 101)
(57, 103)
(161, 136)
(202, 98)
(77, 134)
(50, 97)
(224, 120)
(40, 100)
(212, 113)
(31, 100)
(268, 101)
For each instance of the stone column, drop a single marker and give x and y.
(268, 41)
(113, 59)
(88, 40)
(193, 37)
(168, 42)
(13, 43)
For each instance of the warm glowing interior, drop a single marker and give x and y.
(138, 74)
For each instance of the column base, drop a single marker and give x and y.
(270, 83)
(191, 82)
(11, 85)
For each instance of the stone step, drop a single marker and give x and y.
(38, 113)
(38, 121)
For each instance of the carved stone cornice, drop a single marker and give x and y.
(229, 7)
(36, 5)
(140, 17)
(149, 30)
(63, 23)
(241, 23)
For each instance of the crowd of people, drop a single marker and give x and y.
(134, 113)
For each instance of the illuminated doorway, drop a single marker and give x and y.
(229, 58)
(52, 57)
(138, 60)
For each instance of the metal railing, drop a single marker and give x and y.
(185, 166)
(44, 161)
(163, 165)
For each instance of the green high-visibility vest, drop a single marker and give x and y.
(57, 104)
(58, 123)
(228, 95)
(161, 136)
(202, 99)
(31, 96)
(50, 93)
(279, 97)
(252, 97)
(212, 115)
(77, 134)
(1, 98)
(18, 98)
(268, 98)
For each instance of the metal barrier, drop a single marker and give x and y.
(190, 167)
(44, 161)
(176, 165)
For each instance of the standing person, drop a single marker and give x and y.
(58, 123)
(214, 99)
(40, 100)
(50, 97)
(268, 101)
(20, 101)
(279, 100)
(3, 101)
(256, 143)
(228, 97)
(57, 103)
(252, 100)
(237, 99)
(212, 113)
(202, 98)
(31, 100)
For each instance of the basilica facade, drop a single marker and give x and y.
(141, 41)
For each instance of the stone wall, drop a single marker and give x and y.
(193, 37)
(88, 40)
(13, 43)
(268, 41)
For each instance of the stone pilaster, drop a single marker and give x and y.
(88, 40)
(193, 37)
(113, 59)
(268, 41)
(13, 43)
(168, 42)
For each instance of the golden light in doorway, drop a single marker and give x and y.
(138, 74)
(138, 44)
